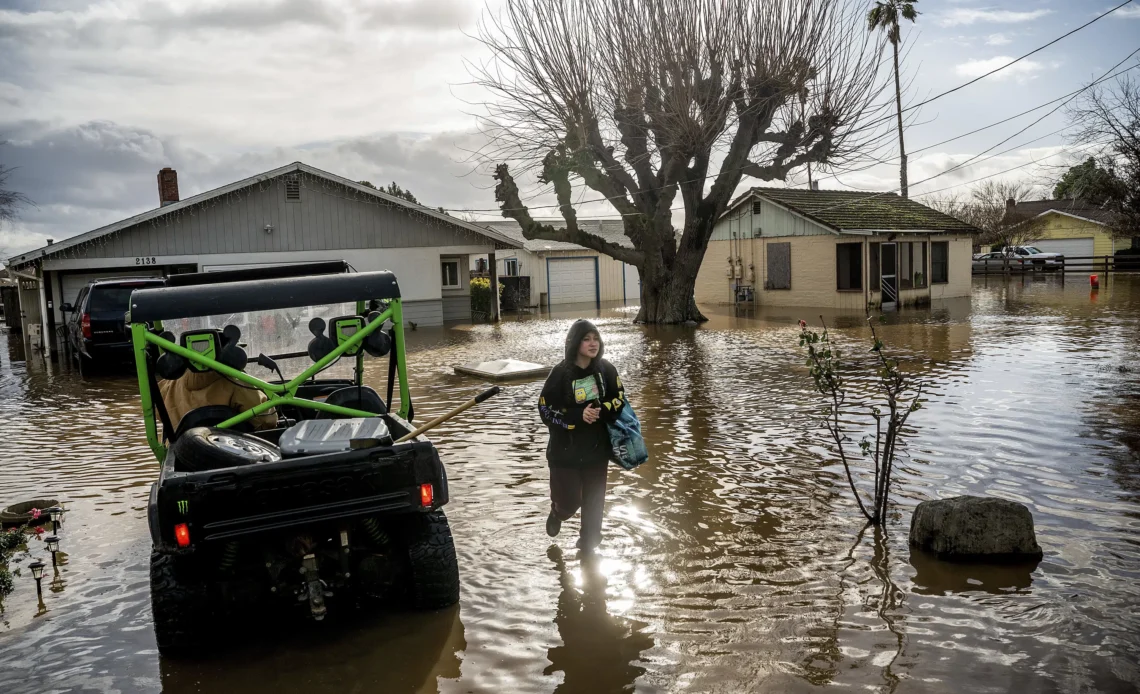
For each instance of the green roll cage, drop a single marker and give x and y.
(276, 393)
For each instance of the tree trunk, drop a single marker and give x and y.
(898, 109)
(667, 293)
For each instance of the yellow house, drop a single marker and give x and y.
(1074, 228)
(834, 249)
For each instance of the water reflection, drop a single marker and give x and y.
(599, 651)
(934, 576)
(732, 562)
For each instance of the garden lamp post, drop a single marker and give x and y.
(37, 568)
(56, 515)
(52, 543)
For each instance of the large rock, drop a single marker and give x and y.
(974, 527)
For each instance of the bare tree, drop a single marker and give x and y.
(1109, 115)
(643, 101)
(986, 208)
(10, 200)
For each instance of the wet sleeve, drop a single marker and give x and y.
(549, 400)
(615, 395)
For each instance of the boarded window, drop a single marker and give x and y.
(292, 190)
(873, 268)
(849, 265)
(779, 266)
(940, 262)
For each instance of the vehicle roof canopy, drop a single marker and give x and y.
(211, 297)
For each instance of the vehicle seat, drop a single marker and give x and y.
(358, 398)
(210, 416)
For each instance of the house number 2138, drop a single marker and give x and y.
(146, 261)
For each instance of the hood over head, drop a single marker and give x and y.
(574, 337)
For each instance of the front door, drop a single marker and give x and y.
(888, 277)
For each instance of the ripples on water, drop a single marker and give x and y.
(734, 560)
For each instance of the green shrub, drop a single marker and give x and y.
(481, 295)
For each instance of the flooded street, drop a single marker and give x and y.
(733, 561)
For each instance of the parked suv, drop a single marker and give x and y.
(96, 326)
(1033, 256)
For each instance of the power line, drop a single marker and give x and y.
(887, 118)
(1017, 60)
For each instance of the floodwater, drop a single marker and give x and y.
(734, 561)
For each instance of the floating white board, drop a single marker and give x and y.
(503, 369)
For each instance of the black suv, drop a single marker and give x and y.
(97, 328)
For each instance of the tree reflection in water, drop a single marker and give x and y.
(599, 650)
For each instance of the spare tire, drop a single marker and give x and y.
(211, 448)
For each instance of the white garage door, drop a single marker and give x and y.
(573, 280)
(632, 283)
(71, 284)
(1070, 248)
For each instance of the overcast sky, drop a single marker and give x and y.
(95, 97)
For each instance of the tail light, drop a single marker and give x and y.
(85, 323)
(427, 495)
(182, 534)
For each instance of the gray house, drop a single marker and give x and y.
(288, 215)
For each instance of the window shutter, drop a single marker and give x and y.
(779, 266)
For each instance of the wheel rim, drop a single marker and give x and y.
(242, 447)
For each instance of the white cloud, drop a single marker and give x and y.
(967, 15)
(1026, 69)
(1129, 12)
(998, 40)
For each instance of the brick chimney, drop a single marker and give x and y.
(1010, 204)
(167, 187)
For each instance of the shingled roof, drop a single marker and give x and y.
(1022, 211)
(844, 210)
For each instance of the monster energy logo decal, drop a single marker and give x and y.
(183, 506)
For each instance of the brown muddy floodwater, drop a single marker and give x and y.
(733, 561)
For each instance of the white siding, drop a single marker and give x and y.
(773, 220)
(572, 280)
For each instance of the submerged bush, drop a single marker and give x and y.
(481, 296)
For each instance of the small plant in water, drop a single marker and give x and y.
(901, 396)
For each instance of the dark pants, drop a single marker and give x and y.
(572, 488)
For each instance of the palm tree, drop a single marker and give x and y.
(885, 15)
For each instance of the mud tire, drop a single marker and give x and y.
(433, 577)
(179, 605)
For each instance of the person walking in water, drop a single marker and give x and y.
(581, 394)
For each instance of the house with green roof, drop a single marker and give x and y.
(834, 249)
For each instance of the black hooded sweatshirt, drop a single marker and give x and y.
(568, 390)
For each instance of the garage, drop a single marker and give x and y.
(71, 283)
(572, 280)
(1070, 248)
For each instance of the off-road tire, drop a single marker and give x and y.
(433, 577)
(199, 449)
(179, 605)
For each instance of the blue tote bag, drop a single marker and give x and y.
(625, 437)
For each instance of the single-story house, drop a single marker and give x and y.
(1074, 228)
(565, 273)
(292, 214)
(834, 249)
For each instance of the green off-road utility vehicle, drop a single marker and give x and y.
(334, 499)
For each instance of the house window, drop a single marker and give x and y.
(912, 265)
(940, 262)
(873, 273)
(292, 189)
(779, 266)
(757, 207)
(511, 267)
(450, 270)
(849, 266)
